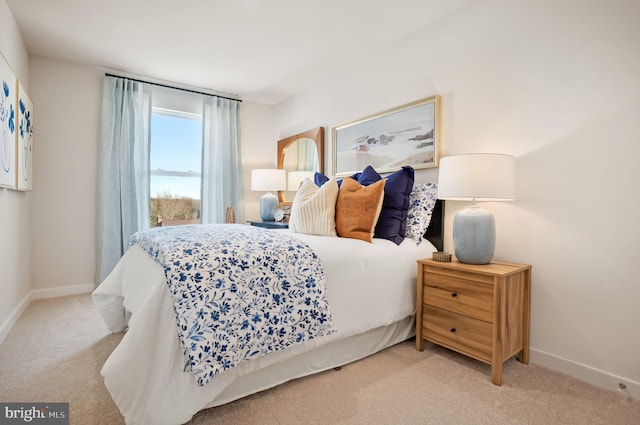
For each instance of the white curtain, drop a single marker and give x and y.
(123, 168)
(222, 182)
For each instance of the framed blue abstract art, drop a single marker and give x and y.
(24, 163)
(8, 117)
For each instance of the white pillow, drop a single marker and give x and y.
(313, 209)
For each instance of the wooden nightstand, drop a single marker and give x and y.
(481, 311)
(270, 224)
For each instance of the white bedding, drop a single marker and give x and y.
(371, 292)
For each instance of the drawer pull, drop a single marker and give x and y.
(454, 294)
(453, 330)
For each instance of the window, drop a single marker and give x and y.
(175, 164)
(125, 160)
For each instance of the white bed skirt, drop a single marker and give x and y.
(329, 356)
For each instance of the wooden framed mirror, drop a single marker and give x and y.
(301, 152)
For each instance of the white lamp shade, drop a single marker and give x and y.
(268, 179)
(477, 176)
(295, 179)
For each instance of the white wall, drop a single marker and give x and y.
(68, 101)
(259, 150)
(15, 260)
(556, 85)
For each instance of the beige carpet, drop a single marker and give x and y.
(56, 350)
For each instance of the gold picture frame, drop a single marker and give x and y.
(406, 135)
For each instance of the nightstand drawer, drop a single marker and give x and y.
(461, 296)
(461, 333)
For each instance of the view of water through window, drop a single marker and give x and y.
(175, 161)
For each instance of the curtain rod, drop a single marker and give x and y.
(171, 87)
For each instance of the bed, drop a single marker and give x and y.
(370, 288)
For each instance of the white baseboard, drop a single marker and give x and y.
(64, 291)
(5, 327)
(591, 375)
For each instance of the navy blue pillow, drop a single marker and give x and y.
(319, 179)
(392, 222)
(368, 176)
(365, 177)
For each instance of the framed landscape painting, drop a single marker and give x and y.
(25, 140)
(8, 114)
(406, 135)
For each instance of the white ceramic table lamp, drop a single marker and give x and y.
(268, 179)
(295, 179)
(476, 177)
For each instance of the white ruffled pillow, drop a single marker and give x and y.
(421, 203)
(314, 208)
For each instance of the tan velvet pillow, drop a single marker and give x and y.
(358, 208)
(313, 209)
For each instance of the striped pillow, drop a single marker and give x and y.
(313, 209)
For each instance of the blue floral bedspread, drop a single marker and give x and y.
(238, 292)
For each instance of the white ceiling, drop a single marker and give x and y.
(262, 50)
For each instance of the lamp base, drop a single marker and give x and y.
(474, 235)
(268, 204)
